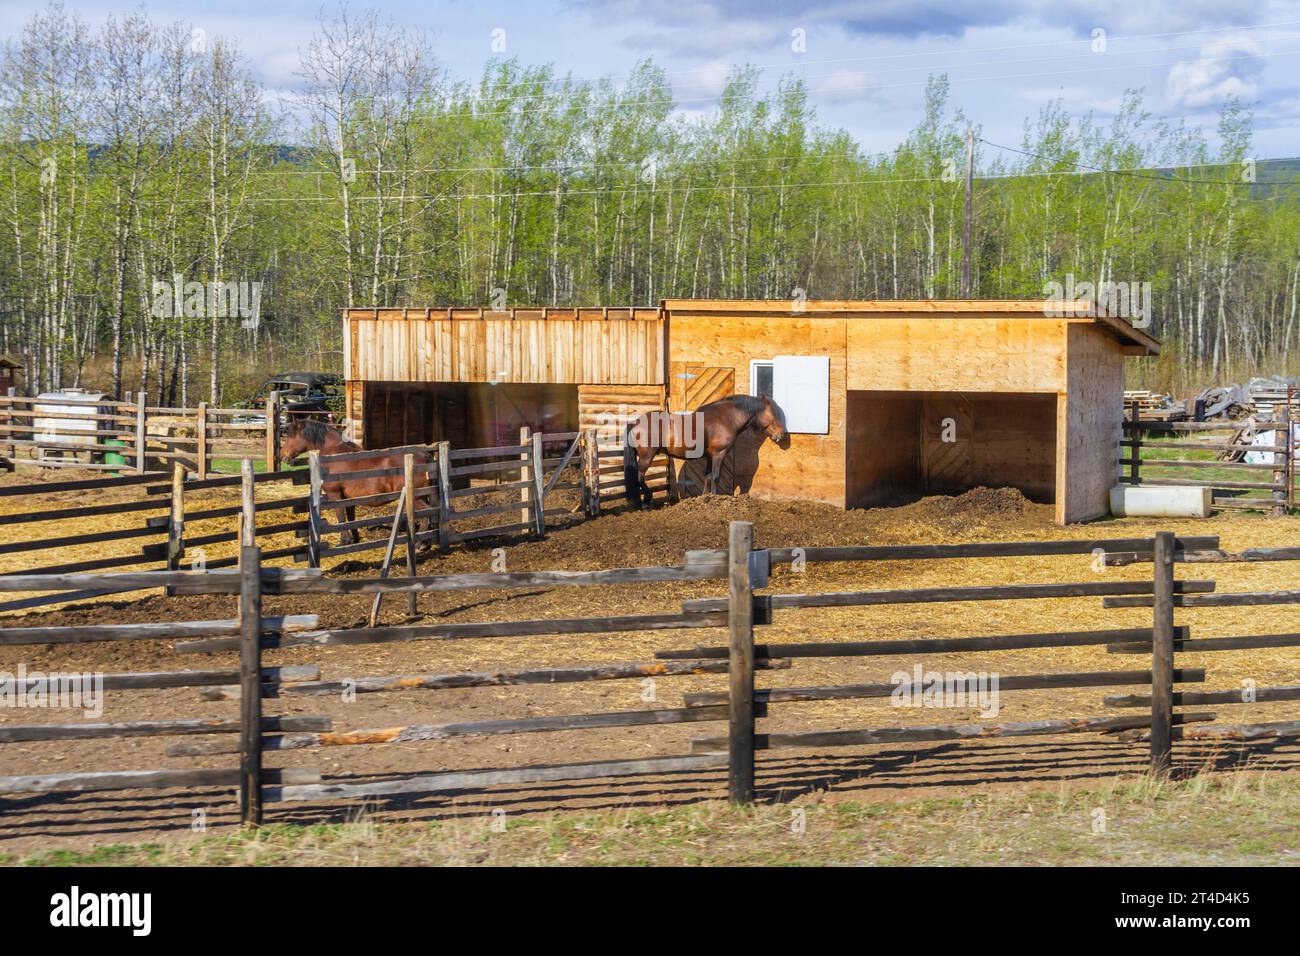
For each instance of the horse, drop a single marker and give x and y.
(710, 430)
(303, 435)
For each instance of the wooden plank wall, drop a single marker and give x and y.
(812, 467)
(564, 346)
(1090, 416)
(936, 354)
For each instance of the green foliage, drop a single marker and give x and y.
(532, 187)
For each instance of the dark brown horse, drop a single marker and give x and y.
(303, 435)
(709, 431)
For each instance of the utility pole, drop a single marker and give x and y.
(965, 229)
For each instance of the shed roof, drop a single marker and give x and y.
(1080, 310)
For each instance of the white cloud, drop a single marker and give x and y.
(846, 87)
(1229, 66)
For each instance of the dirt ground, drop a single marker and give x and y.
(660, 537)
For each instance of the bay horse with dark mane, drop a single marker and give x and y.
(709, 431)
(302, 435)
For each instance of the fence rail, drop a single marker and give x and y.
(460, 495)
(1235, 483)
(65, 432)
(744, 568)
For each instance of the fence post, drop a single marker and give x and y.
(313, 510)
(444, 495)
(539, 485)
(1282, 459)
(408, 479)
(248, 505)
(12, 463)
(250, 681)
(1135, 445)
(201, 434)
(525, 493)
(1162, 653)
(740, 664)
(176, 526)
(141, 397)
(272, 431)
(591, 472)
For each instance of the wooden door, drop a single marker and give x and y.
(696, 385)
(693, 386)
(947, 460)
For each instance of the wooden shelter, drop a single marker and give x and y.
(886, 400)
(11, 370)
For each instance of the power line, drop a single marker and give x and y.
(671, 102)
(791, 64)
(1132, 173)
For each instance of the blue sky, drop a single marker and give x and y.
(865, 61)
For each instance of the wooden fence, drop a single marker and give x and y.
(1235, 483)
(135, 437)
(461, 495)
(741, 613)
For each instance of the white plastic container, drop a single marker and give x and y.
(1129, 501)
(67, 431)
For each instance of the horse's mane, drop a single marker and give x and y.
(315, 430)
(749, 404)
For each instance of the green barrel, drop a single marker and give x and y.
(113, 457)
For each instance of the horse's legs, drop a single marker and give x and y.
(715, 472)
(341, 514)
(643, 461)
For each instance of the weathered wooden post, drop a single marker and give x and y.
(1135, 445)
(314, 497)
(525, 476)
(1162, 653)
(201, 436)
(141, 397)
(444, 495)
(247, 505)
(12, 458)
(408, 478)
(250, 685)
(176, 525)
(539, 485)
(1282, 459)
(740, 664)
(592, 472)
(273, 431)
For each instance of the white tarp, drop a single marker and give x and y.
(1271, 437)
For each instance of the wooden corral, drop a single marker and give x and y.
(888, 400)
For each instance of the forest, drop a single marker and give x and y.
(144, 169)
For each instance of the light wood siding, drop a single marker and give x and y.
(1090, 417)
(598, 405)
(966, 354)
(812, 467)
(585, 346)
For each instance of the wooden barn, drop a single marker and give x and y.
(886, 400)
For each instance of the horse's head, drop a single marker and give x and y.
(301, 435)
(772, 420)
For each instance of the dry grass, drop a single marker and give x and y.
(1243, 819)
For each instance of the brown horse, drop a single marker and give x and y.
(303, 435)
(711, 430)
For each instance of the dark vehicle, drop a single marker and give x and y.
(304, 393)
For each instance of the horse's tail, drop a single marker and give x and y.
(631, 473)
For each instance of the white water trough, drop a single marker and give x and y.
(1128, 501)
